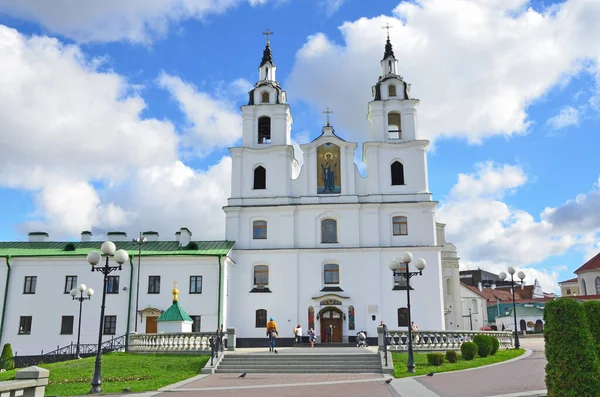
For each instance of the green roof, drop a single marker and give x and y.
(174, 313)
(82, 248)
(525, 311)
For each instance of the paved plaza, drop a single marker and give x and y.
(524, 376)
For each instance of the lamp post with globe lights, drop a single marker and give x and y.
(513, 283)
(81, 289)
(121, 257)
(395, 265)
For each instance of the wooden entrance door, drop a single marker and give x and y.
(333, 318)
(151, 325)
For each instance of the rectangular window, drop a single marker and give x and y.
(110, 325)
(329, 231)
(70, 283)
(25, 325)
(332, 274)
(112, 286)
(400, 226)
(197, 323)
(399, 279)
(30, 283)
(195, 284)
(66, 325)
(259, 230)
(261, 275)
(154, 284)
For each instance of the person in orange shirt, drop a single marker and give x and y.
(272, 333)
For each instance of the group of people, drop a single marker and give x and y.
(273, 333)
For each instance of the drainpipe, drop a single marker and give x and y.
(5, 296)
(129, 304)
(220, 292)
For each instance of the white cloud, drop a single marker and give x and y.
(332, 6)
(137, 21)
(567, 117)
(213, 123)
(491, 234)
(476, 65)
(74, 136)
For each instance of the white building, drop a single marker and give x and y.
(310, 250)
(474, 308)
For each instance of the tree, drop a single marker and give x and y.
(573, 368)
(592, 311)
(6, 361)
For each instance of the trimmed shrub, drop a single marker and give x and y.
(451, 356)
(435, 358)
(573, 369)
(592, 311)
(192, 246)
(69, 247)
(495, 345)
(468, 350)
(484, 345)
(5, 358)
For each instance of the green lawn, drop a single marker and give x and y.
(139, 372)
(422, 368)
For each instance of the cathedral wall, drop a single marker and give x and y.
(296, 282)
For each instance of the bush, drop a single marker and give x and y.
(592, 311)
(495, 345)
(468, 350)
(69, 247)
(484, 345)
(435, 358)
(572, 368)
(5, 358)
(451, 356)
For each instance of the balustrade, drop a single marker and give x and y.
(171, 342)
(440, 340)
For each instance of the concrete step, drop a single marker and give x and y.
(307, 360)
(298, 371)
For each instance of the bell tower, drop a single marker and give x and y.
(267, 120)
(392, 112)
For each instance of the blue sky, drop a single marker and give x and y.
(120, 117)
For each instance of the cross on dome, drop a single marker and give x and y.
(268, 33)
(327, 112)
(387, 27)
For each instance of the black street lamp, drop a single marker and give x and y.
(139, 241)
(513, 283)
(402, 264)
(121, 256)
(88, 292)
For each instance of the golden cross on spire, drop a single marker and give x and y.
(268, 33)
(327, 112)
(388, 27)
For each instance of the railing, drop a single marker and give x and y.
(171, 342)
(65, 353)
(397, 340)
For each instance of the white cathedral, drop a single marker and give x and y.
(311, 250)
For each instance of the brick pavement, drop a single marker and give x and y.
(517, 376)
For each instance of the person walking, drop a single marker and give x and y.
(298, 333)
(330, 333)
(311, 337)
(272, 333)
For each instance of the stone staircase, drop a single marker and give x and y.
(300, 363)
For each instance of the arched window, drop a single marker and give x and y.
(391, 89)
(400, 226)
(402, 317)
(474, 306)
(261, 275)
(259, 230)
(329, 231)
(260, 177)
(397, 171)
(394, 127)
(583, 288)
(261, 318)
(264, 129)
(331, 274)
(597, 282)
(264, 97)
